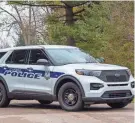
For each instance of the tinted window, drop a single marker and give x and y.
(9, 60)
(35, 55)
(2, 54)
(18, 57)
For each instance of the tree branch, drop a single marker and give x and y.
(75, 5)
(81, 3)
(65, 2)
(40, 5)
(75, 13)
(9, 13)
(18, 14)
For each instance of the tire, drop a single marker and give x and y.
(4, 101)
(70, 97)
(44, 102)
(118, 105)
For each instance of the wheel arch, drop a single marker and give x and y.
(64, 79)
(2, 80)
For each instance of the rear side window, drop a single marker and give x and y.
(2, 54)
(18, 57)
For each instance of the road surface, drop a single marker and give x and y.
(33, 112)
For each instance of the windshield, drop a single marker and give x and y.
(70, 56)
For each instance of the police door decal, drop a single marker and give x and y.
(35, 74)
(23, 73)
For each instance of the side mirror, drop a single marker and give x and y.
(43, 62)
(100, 60)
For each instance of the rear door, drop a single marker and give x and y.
(15, 69)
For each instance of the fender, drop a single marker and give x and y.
(72, 78)
(2, 80)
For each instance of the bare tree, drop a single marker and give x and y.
(3, 44)
(26, 21)
(67, 6)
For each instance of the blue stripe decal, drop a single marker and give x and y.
(55, 74)
(36, 74)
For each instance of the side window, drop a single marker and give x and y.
(35, 55)
(2, 54)
(18, 57)
(9, 60)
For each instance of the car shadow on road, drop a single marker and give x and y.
(53, 106)
(104, 108)
(35, 106)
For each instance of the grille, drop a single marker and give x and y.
(114, 76)
(116, 94)
(117, 84)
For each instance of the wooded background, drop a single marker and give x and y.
(103, 29)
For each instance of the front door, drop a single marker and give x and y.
(40, 80)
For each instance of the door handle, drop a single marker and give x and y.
(5, 67)
(30, 69)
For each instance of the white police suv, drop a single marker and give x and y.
(49, 73)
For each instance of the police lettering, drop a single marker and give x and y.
(23, 74)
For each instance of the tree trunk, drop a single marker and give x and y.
(29, 27)
(70, 22)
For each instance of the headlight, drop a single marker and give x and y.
(88, 72)
(129, 72)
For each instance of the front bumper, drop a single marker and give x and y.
(107, 100)
(96, 96)
(108, 86)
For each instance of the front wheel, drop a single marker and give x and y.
(118, 105)
(70, 97)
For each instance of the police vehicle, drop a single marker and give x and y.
(66, 74)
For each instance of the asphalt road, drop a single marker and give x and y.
(33, 112)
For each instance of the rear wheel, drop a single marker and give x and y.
(70, 97)
(44, 102)
(118, 105)
(4, 101)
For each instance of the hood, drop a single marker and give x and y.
(95, 66)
